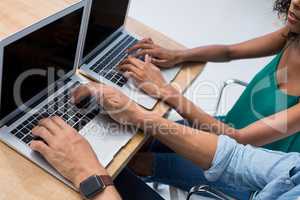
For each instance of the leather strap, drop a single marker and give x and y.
(107, 180)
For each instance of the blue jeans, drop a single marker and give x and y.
(172, 169)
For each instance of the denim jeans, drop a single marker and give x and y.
(172, 169)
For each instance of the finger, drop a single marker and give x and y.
(43, 133)
(134, 76)
(134, 61)
(60, 122)
(150, 52)
(148, 59)
(147, 40)
(49, 124)
(128, 62)
(158, 62)
(141, 45)
(84, 91)
(129, 68)
(40, 147)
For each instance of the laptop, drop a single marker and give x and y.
(38, 74)
(105, 45)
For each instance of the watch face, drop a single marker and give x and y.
(91, 187)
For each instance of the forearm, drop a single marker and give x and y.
(197, 117)
(266, 45)
(197, 146)
(212, 53)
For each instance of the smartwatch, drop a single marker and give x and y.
(94, 185)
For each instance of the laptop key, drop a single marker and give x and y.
(71, 112)
(66, 117)
(24, 131)
(20, 127)
(45, 115)
(19, 135)
(77, 127)
(71, 122)
(30, 126)
(30, 118)
(14, 131)
(27, 139)
(35, 122)
(59, 113)
(40, 117)
(84, 103)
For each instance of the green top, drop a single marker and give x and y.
(263, 98)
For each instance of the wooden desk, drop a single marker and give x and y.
(20, 179)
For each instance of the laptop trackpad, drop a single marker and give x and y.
(170, 74)
(106, 137)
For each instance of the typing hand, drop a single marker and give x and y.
(162, 57)
(147, 76)
(117, 105)
(66, 150)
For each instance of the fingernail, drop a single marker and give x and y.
(72, 100)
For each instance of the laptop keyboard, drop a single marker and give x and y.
(106, 66)
(76, 116)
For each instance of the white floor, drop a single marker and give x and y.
(200, 22)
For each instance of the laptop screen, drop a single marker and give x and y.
(106, 17)
(37, 60)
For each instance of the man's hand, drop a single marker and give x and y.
(66, 150)
(162, 57)
(117, 105)
(147, 76)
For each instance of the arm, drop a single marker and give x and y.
(267, 45)
(66, 150)
(149, 79)
(221, 156)
(186, 141)
(262, 132)
(272, 128)
(196, 116)
(195, 145)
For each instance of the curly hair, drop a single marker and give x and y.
(282, 7)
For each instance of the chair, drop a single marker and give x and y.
(225, 85)
(205, 189)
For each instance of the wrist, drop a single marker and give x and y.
(169, 93)
(147, 121)
(181, 56)
(84, 174)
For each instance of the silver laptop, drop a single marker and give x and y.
(104, 47)
(38, 68)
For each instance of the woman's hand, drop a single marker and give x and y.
(161, 57)
(116, 104)
(147, 76)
